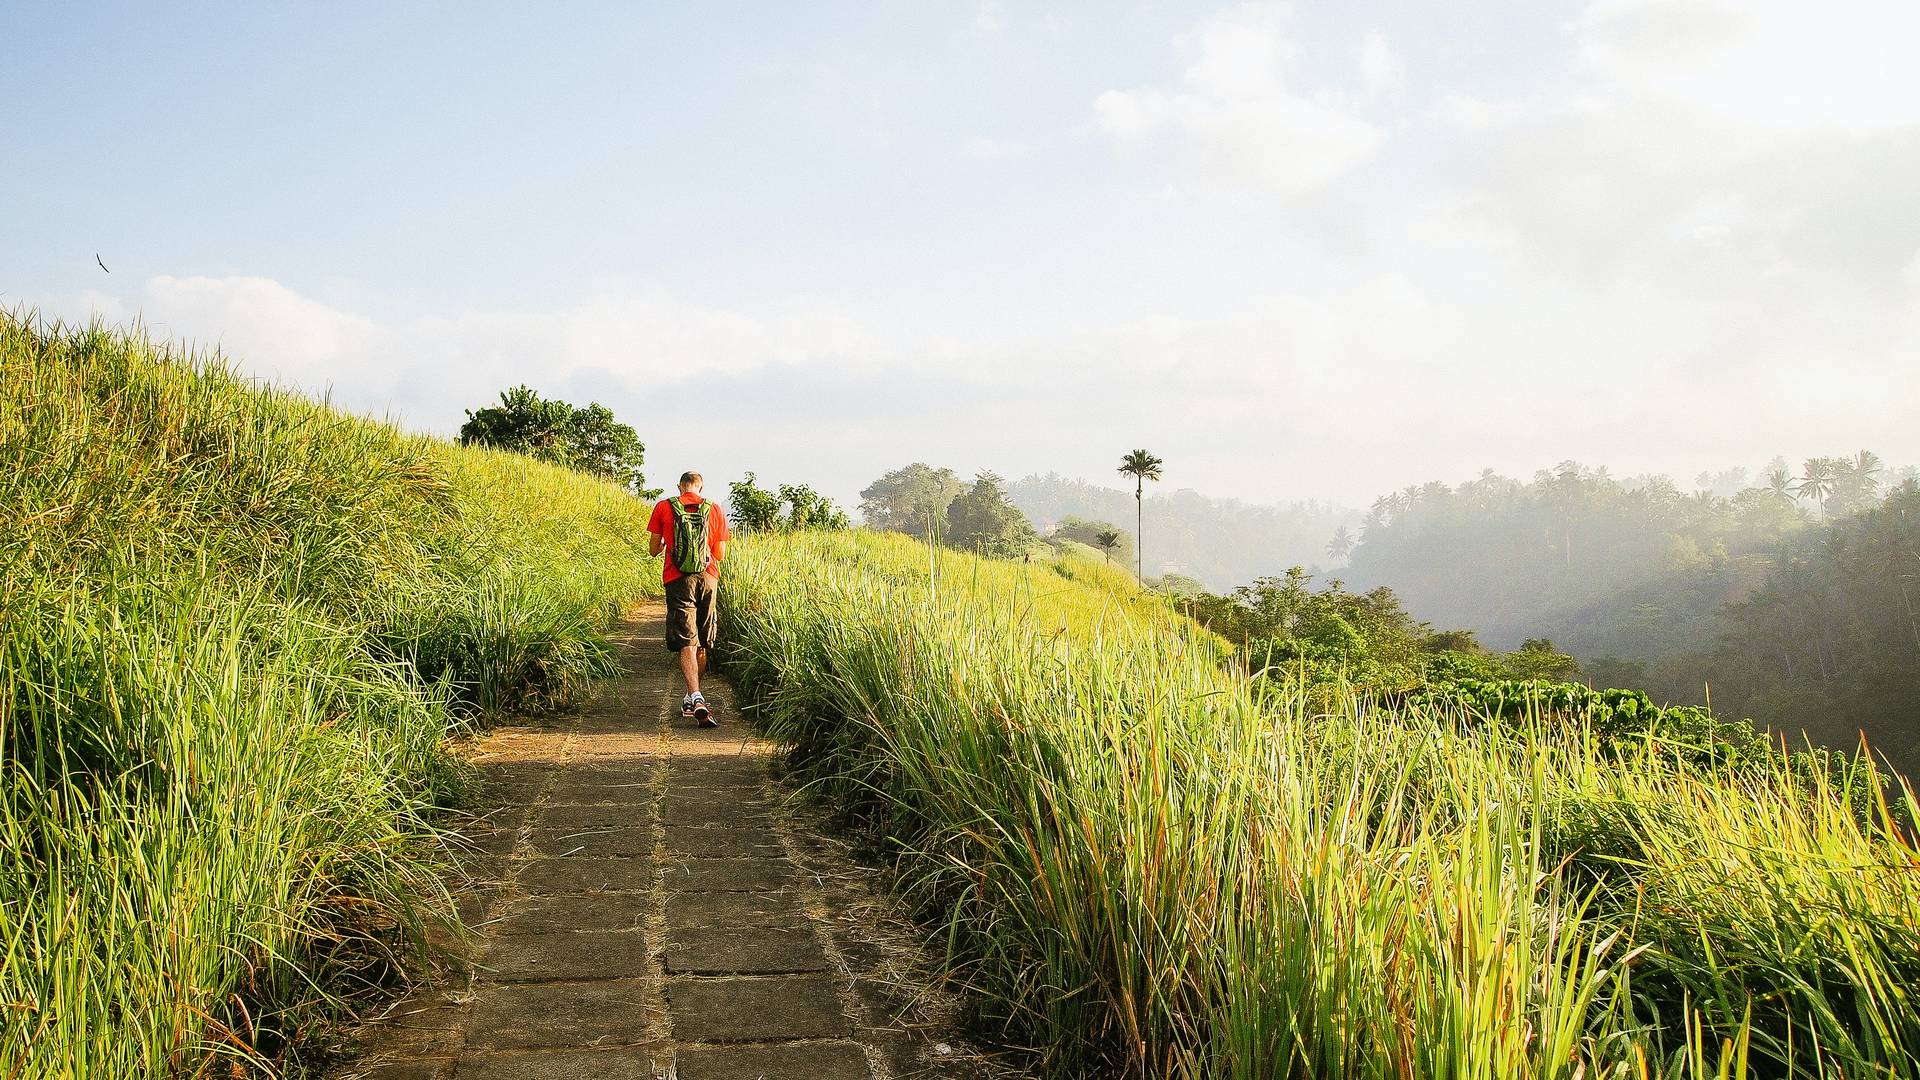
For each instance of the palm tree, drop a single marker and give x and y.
(1108, 539)
(1780, 483)
(1142, 466)
(1855, 480)
(1816, 482)
(1342, 543)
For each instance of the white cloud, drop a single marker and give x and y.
(1719, 147)
(1234, 119)
(1382, 72)
(1786, 64)
(425, 369)
(984, 148)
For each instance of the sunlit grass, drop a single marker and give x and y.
(1141, 866)
(238, 628)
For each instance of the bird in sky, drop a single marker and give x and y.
(103, 266)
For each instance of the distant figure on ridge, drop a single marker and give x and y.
(693, 533)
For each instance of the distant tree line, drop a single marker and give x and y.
(1802, 625)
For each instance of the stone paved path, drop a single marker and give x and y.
(647, 907)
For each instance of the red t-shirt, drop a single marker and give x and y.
(661, 525)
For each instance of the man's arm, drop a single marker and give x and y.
(655, 543)
(719, 553)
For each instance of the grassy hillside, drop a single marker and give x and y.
(238, 628)
(1146, 869)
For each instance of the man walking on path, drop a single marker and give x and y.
(692, 532)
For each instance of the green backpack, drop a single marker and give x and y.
(691, 551)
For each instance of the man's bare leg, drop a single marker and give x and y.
(690, 667)
(703, 661)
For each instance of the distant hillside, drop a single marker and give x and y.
(1221, 542)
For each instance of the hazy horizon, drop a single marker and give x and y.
(1300, 251)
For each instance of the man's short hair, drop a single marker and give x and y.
(690, 477)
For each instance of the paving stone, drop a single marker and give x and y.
(628, 739)
(509, 794)
(884, 1003)
(576, 791)
(610, 769)
(715, 842)
(720, 786)
(546, 1015)
(551, 914)
(717, 768)
(725, 875)
(494, 842)
(479, 870)
(488, 818)
(570, 956)
(411, 1069)
(746, 950)
(496, 767)
(632, 1063)
(595, 816)
(711, 910)
(582, 874)
(755, 1010)
(794, 1061)
(472, 905)
(732, 811)
(422, 1025)
(594, 843)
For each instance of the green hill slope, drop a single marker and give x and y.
(238, 627)
(1146, 869)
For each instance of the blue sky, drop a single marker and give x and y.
(1300, 250)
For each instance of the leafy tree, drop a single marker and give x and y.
(588, 439)
(752, 508)
(912, 499)
(982, 520)
(1107, 540)
(808, 509)
(1142, 466)
(1538, 659)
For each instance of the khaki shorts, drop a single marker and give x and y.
(691, 616)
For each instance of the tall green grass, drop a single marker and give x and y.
(236, 630)
(1145, 868)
